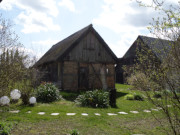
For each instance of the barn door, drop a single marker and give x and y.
(83, 78)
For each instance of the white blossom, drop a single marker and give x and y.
(32, 100)
(15, 94)
(4, 100)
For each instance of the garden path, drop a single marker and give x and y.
(97, 114)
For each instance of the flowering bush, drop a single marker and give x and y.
(47, 92)
(96, 98)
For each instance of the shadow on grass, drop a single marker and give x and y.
(70, 96)
(120, 94)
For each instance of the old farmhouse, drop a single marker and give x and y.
(159, 48)
(81, 61)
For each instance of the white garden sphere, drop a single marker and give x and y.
(15, 94)
(32, 100)
(4, 100)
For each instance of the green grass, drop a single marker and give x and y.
(33, 124)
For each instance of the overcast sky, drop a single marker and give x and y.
(42, 23)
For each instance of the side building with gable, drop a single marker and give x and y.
(158, 47)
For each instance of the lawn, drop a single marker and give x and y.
(120, 124)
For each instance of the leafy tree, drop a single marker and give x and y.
(14, 70)
(152, 74)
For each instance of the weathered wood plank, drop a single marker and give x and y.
(90, 50)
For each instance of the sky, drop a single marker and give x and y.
(42, 23)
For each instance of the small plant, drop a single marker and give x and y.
(96, 99)
(157, 95)
(47, 92)
(134, 97)
(74, 132)
(5, 128)
(26, 90)
(129, 97)
(138, 97)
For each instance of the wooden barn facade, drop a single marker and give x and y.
(158, 47)
(81, 61)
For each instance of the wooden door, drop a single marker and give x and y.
(83, 78)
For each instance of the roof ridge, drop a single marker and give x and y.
(153, 37)
(70, 40)
(89, 26)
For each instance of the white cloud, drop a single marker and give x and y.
(68, 4)
(116, 15)
(35, 16)
(36, 22)
(7, 4)
(1, 27)
(126, 19)
(45, 42)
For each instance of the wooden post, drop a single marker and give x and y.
(59, 71)
(78, 76)
(62, 74)
(112, 97)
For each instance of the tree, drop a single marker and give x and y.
(13, 62)
(162, 76)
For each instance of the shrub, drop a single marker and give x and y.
(134, 97)
(47, 92)
(138, 97)
(74, 132)
(5, 128)
(26, 89)
(129, 97)
(96, 99)
(140, 81)
(157, 95)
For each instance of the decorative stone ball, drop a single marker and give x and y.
(15, 94)
(4, 100)
(32, 100)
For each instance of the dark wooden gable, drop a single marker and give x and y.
(90, 49)
(159, 47)
(62, 49)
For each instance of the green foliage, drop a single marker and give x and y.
(12, 69)
(26, 88)
(5, 128)
(129, 97)
(138, 80)
(47, 92)
(91, 124)
(138, 97)
(157, 95)
(134, 97)
(177, 96)
(69, 95)
(74, 132)
(159, 64)
(96, 99)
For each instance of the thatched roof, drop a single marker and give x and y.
(158, 46)
(58, 51)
